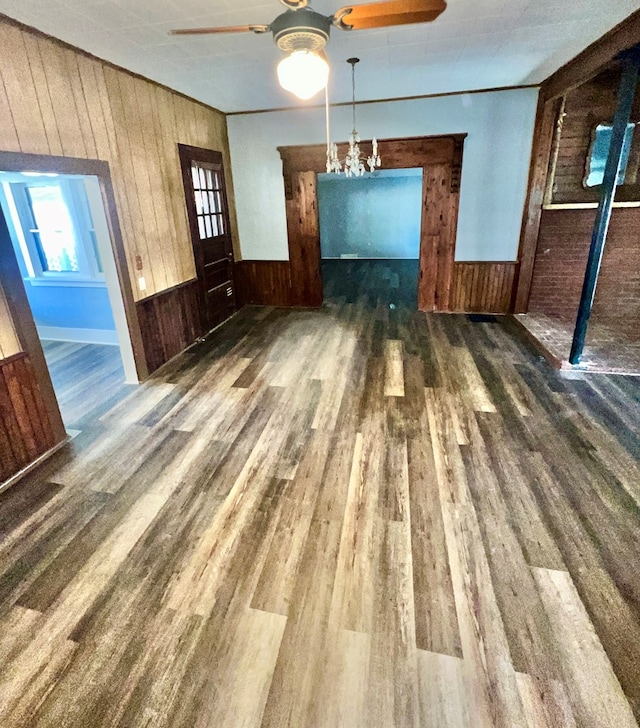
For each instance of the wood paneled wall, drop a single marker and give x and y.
(482, 287)
(169, 322)
(9, 344)
(56, 100)
(25, 429)
(263, 282)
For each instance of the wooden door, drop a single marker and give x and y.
(208, 213)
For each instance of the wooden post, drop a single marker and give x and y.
(626, 95)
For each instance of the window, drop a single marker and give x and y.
(57, 238)
(599, 151)
(53, 229)
(208, 193)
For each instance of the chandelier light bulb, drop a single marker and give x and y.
(303, 73)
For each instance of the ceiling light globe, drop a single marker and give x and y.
(303, 73)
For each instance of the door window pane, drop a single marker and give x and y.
(196, 177)
(53, 230)
(207, 222)
(201, 228)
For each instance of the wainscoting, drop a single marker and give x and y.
(263, 282)
(25, 428)
(482, 287)
(476, 287)
(169, 322)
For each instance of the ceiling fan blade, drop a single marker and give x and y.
(225, 29)
(393, 12)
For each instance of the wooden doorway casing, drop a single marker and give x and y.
(37, 387)
(441, 161)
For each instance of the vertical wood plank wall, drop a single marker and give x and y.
(482, 287)
(55, 100)
(25, 428)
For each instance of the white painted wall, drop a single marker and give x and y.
(494, 172)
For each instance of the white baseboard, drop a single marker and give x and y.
(80, 336)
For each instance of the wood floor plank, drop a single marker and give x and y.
(394, 374)
(357, 516)
(595, 693)
(442, 682)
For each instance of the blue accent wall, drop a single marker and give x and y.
(71, 307)
(371, 217)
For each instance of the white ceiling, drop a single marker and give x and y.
(474, 44)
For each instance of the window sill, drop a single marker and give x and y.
(67, 282)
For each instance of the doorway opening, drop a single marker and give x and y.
(61, 240)
(370, 236)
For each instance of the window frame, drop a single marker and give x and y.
(74, 195)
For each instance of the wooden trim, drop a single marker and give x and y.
(486, 262)
(395, 151)
(23, 162)
(586, 205)
(5, 485)
(19, 161)
(159, 294)
(25, 328)
(14, 287)
(389, 100)
(13, 357)
(593, 59)
(546, 117)
(122, 269)
(440, 158)
(555, 151)
(63, 44)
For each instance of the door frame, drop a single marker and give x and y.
(14, 287)
(440, 158)
(188, 154)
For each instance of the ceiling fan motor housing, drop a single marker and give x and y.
(302, 29)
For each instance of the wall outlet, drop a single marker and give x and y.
(142, 284)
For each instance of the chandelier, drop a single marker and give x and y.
(354, 164)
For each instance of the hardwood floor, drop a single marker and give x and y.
(352, 516)
(88, 379)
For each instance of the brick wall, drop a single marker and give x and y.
(561, 260)
(585, 107)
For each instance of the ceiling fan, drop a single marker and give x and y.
(303, 33)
